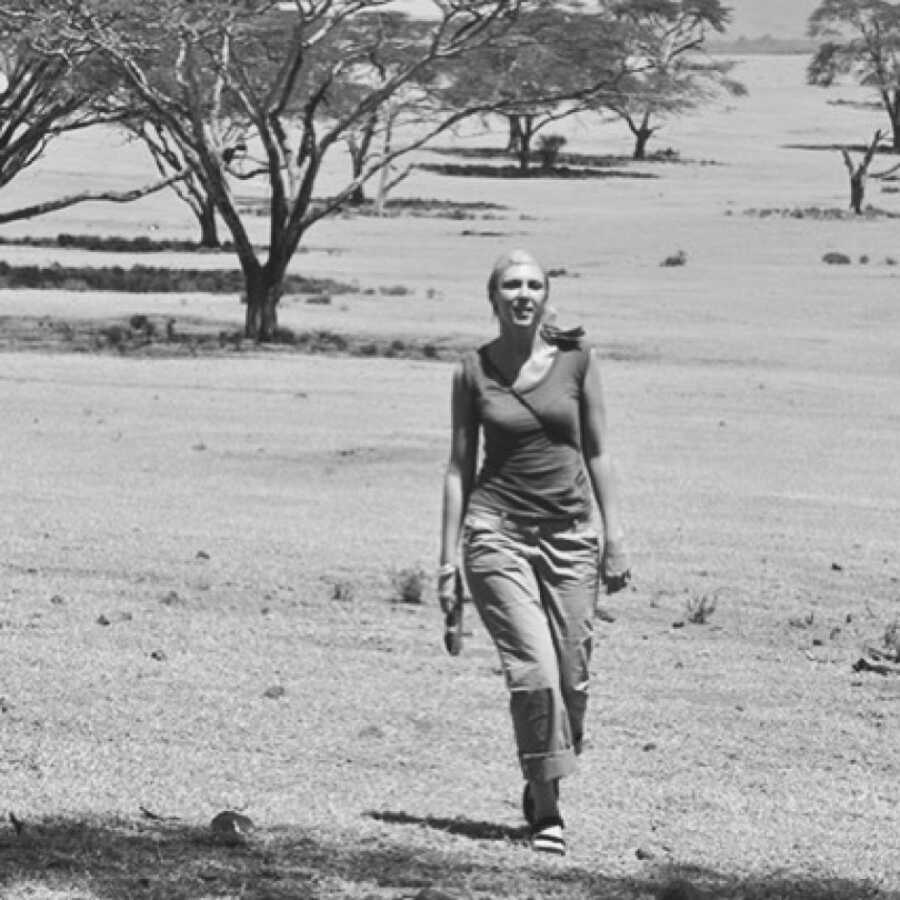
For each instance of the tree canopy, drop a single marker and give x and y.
(664, 41)
(549, 64)
(231, 96)
(261, 91)
(861, 39)
(50, 82)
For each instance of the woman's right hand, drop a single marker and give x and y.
(446, 588)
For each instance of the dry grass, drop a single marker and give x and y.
(236, 519)
(109, 859)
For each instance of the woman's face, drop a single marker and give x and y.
(520, 295)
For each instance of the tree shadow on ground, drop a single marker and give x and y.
(885, 149)
(476, 170)
(111, 859)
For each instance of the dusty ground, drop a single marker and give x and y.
(196, 599)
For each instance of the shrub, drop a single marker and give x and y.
(397, 290)
(676, 259)
(549, 146)
(834, 258)
(283, 335)
(409, 585)
(342, 591)
(150, 279)
(699, 607)
(116, 335)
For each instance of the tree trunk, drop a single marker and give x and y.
(857, 192)
(261, 317)
(209, 232)
(357, 161)
(384, 175)
(526, 133)
(641, 137)
(515, 134)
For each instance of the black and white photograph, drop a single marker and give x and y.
(450, 450)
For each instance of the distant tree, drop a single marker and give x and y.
(665, 41)
(50, 84)
(546, 67)
(400, 41)
(258, 75)
(860, 38)
(185, 182)
(859, 172)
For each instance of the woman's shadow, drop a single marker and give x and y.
(470, 828)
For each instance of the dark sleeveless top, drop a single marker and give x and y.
(532, 470)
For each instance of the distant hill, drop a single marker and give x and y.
(766, 44)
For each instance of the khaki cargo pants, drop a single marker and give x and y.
(535, 587)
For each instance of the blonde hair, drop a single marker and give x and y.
(516, 257)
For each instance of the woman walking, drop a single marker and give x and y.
(522, 527)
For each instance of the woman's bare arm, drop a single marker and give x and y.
(460, 472)
(604, 478)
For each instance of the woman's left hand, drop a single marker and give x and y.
(615, 567)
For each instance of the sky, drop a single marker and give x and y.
(780, 18)
(750, 18)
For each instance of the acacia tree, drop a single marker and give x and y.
(49, 85)
(673, 75)
(185, 183)
(257, 75)
(546, 67)
(400, 41)
(859, 172)
(860, 38)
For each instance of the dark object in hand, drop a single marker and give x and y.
(453, 620)
(617, 582)
(615, 569)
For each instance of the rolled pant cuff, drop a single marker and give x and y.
(547, 766)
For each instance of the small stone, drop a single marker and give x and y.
(275, 692)
(202, 554)
(837, 567)
(159, 655)
(650, 745)
(57, 600)
(102, 620)
(230, 827)
(173, 598)
(643, 854)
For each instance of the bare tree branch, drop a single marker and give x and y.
(38, 209)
